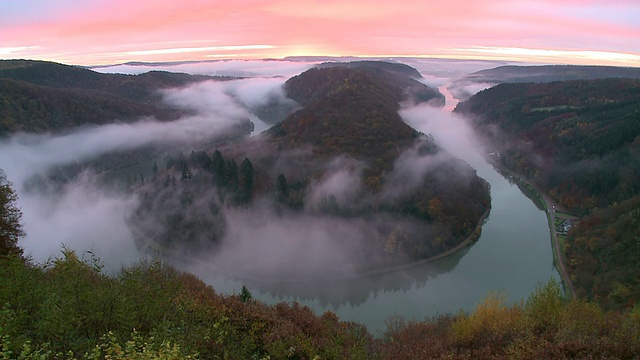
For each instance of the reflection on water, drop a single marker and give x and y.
(355, 291)
(335, 293)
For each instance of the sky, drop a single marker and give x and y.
(100, 32)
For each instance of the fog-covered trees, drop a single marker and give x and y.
(247, 179)
(10, 215)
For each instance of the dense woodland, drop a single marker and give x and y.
(551, 73)
(538, 74)
(37, 96)
(580, 141)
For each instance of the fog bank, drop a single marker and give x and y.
(234, 68)
(85, 215)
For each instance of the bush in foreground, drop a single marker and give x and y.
(69, 309)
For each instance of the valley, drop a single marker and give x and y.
(368, 199)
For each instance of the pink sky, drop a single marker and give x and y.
(93, 32)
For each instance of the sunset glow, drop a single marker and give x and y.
(95, 32)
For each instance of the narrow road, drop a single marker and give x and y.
(550, 207)
(551, 214)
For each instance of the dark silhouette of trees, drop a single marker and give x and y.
(10, 216)
(217, 164)
(246, 179)
(282, 188)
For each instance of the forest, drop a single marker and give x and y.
(579, 141)
(38, 96)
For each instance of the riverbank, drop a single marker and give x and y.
(475, 234)
(543, 201)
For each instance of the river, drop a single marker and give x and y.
(513, 255)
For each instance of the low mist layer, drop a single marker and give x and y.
(85, 215)
(235, 68)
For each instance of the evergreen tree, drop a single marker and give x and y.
(10, 215)
(231, 174)
(185, 173)
(246, 181)
(282, 188)
(217, 162)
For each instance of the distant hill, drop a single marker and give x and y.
(35, 108)
(580, 141)
(369, 65)
(539, 74)
(141, 88)
(37, 96)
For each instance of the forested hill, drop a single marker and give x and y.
(549, 73)
(377, 66)
(37, 96)
(577, 139)
(400, 77)
(346, 111)
(580, 141)
(539, 74)
(352, 110)
(141, 88)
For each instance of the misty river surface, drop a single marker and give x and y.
(513, 255)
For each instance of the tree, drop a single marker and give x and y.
(282, 188)
(217, 163)
(231, 174)
(245, 294)
(10, 216)
(246, 181)
(184, 167)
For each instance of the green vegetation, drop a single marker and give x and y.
(69, 308)
(10, 216)
(579, 141)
